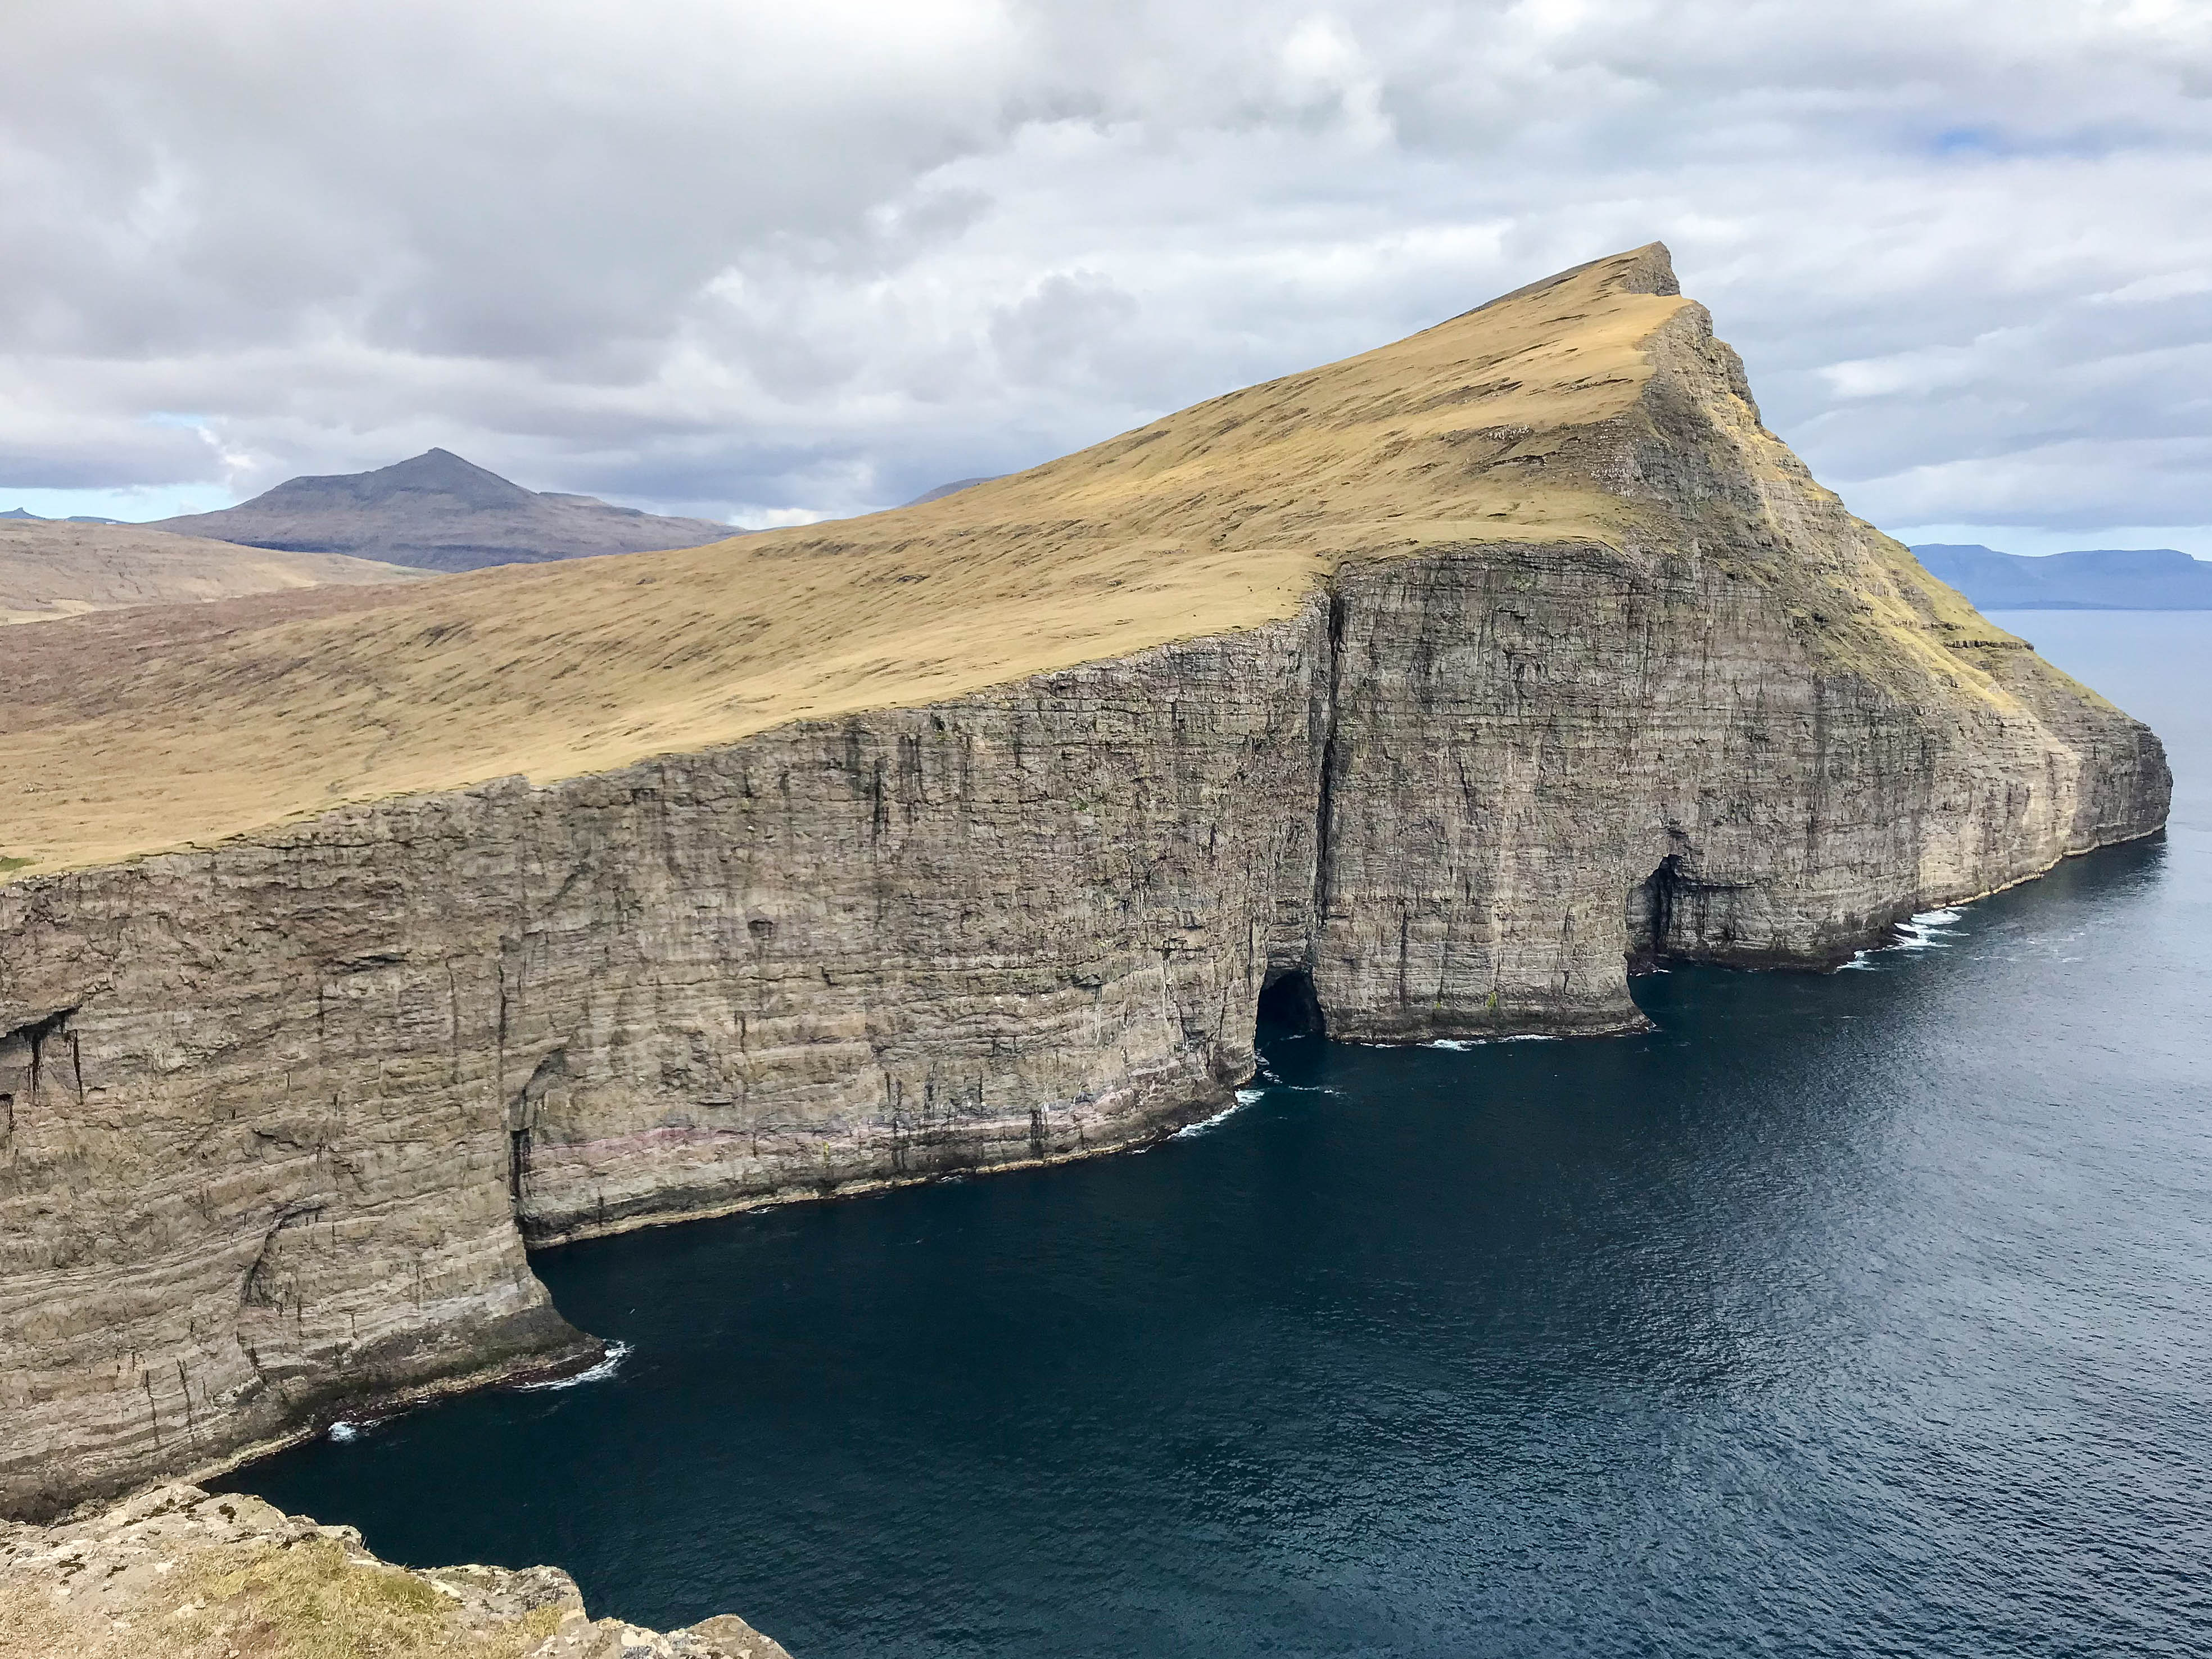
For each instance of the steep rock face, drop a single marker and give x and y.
(1751, 732)
(282, 1103)
(1550, 766)
(277, 1114)
(223, 1217)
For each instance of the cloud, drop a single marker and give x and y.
(770, 261)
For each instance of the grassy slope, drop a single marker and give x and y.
(49, 571)
(211, 722)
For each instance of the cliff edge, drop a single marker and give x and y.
(177, 1573)
(358, 938)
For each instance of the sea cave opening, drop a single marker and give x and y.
(1288, 1007)
(1653, 906)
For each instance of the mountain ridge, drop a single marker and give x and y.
(2086, 579)
(1509, 423)
(437, 511)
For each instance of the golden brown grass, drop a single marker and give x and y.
(125, 734)
(48, 571)
(132, 734)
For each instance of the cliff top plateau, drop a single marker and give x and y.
(1591, 408)
(439, 512)
(2092, 579)
(50, 568)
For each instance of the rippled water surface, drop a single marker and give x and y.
(1862, 1314)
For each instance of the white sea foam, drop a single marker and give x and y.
(1461, 1045)
(1244, 1097)
(616, 1352)
(342, 1431)
(1926, 930)
(1931, 930)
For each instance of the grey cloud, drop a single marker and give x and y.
(746, 258)
(1070, 329)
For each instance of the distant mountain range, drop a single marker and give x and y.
(438, 512)
(33, 518)
(2093, 579)
(952, 488)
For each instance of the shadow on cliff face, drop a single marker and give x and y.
(1672, 916)
(1651, 915)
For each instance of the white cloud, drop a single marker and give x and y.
(737, 257)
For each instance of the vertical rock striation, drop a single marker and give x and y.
(1597, 674)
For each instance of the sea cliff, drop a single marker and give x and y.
(1445, 688)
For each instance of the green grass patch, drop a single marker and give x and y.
(307, 1601)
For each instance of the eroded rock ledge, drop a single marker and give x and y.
(176, 1573)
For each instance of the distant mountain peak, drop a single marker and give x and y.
(440, 511)
(434, 472)
(952, 488)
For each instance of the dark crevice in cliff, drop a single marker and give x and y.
(35, 1035)
(1289, 1007)
(552, 1068)
(1324, 806)
(261, 1287)
(1674, 916)
(1654, 905)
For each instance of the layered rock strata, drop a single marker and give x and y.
(278, 1113)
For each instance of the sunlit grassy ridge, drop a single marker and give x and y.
(129, 734)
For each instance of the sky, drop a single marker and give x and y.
(768, 262)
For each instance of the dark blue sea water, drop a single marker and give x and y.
(1863, 1313)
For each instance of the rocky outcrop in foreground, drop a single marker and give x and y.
(176, 1573)
(1439, 691)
